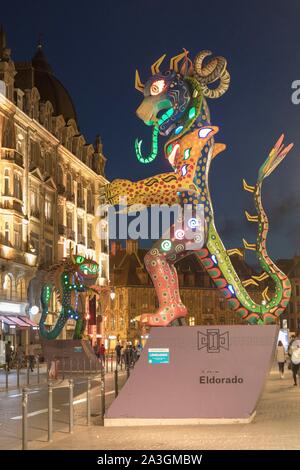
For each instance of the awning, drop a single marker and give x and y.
(22, 322)
(7, 320)
(19, 322)
(30, 322)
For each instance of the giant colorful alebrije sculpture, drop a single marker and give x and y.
(70, 280)
(175, 106)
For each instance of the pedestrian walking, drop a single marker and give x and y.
(118, 350)
(8, 355)
(280, 357)
(102, 354)
(295, 356)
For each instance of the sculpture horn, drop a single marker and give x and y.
(214, 69)
(138, 84)
(155, 66)
(176, 59)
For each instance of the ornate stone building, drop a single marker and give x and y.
(135, 294)
(50, 179)
(291, 317)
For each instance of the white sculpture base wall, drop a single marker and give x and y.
(201, 375)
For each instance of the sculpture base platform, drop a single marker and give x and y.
(73, 354)
(196, 375)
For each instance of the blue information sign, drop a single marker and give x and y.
(158, 356)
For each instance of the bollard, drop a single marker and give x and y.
(88, 402)
(24, 419)
(102, 393)
(18, 374)
(50, 411)
(116, 383)
(27, 372)
(38, 369)
(6, 376)
(71, 407)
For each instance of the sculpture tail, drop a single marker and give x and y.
(216, 259)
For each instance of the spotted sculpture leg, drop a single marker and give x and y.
(159, 262)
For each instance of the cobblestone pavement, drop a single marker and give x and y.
(276, 426)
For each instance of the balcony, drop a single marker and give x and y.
(61, 190)
(12, 156)
(81, 239)
(81, 203)
(70, 234)
(62, 229)
(70, 197)
(91, 244)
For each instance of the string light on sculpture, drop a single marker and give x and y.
(166, 245)
(193, 223)
(179, 234)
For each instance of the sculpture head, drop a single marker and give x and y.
(86, 268)
(173, 99)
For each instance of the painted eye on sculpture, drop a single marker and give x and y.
(157, 87)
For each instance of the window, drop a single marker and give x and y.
(297, 290)
(292, 324)
(192, 321)
(35, 242)
(18, 236)
(70, 220)
(7, 287)
(48, 208)
(21, 289)
(122, 323)
(89, 231)
(48, 163)
(34, 203)
(6, 232)
(291, 306)
(69, 183)
(17, 186)
(298, 307)
(80, 226)
(89, 201)
(6, 182)
(113, 322)
(48, 251)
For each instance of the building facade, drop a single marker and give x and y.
(291, 317)
(50, 181)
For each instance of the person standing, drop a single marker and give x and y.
(118, 350)
(8, 355)
(31, 355)
(280, 356)
(295, 356)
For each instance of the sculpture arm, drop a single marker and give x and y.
(159, 189)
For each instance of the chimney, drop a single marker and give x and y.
(132, 246)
